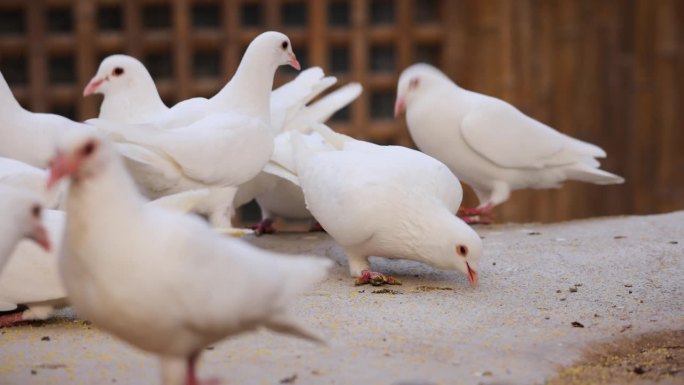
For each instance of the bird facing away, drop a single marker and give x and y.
(488, 143)
(20, 218)
(171, 263)
(386, 201)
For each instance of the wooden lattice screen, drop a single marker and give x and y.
(51, 48)
(606, 71)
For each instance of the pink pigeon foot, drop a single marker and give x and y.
(12, 318)
(476, 216)
(264, 227)
(192, 374)
(375, 279)
(316, 227)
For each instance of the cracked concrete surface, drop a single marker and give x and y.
(615, 276)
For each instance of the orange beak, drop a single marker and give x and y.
(294, 63)
(399, 106)
(60, 166)
(92, 86)
(40, 236)
(472, 276)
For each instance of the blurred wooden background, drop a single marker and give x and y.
(605, 71)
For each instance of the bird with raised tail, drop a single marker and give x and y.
(386, 201)
(30, 285)
(488, 143)
(281, 197)
(29, 136)
(163, 255)
(218, 143)
(20, 219)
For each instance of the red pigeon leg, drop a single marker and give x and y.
(264, 227)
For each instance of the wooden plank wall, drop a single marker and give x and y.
(605, 71)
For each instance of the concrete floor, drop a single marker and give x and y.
(515, 328)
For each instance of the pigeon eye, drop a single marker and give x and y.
(118, 71)
(35, 211)
(462, 250)
(284, 45)
(88, 149)
(414, 83)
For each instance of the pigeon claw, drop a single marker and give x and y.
(264, 227)
(375, 279)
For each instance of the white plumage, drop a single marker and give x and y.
(24, 176)
(20, 217)
(386, 201)
(487, 142)
(172, 265)
(29, 136)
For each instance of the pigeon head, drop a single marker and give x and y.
(275, 47)
(23, 213)
(414, 81)
(117, 72)
(80, 156)
(454, 245)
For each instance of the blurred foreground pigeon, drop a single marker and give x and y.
(163, 281)
(20, 217)
(30, 284)
(488, 143)
(29, 136)
(386, 201)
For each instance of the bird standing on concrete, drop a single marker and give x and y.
(488, 143)
(141, 272)
(387, 201)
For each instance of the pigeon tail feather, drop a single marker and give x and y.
(283, 322)
(585, 173)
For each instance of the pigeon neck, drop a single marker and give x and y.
(249, 90)
(133, 105)
(7, 100)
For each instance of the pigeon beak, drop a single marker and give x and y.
(92, 86)
(472, 276)
(399, 106)
(60, 166)
(294, 63)
(40, 236)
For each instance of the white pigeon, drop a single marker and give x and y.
(28, 136)
(386, 201)
(218, 143)
(30, 282)
(488, 143)
(20, 217)
(130, 95)
(282, 198)
(219, 286)
(24, 176)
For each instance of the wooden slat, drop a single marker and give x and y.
(38, 76)
(183, 51)
(85, 61)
